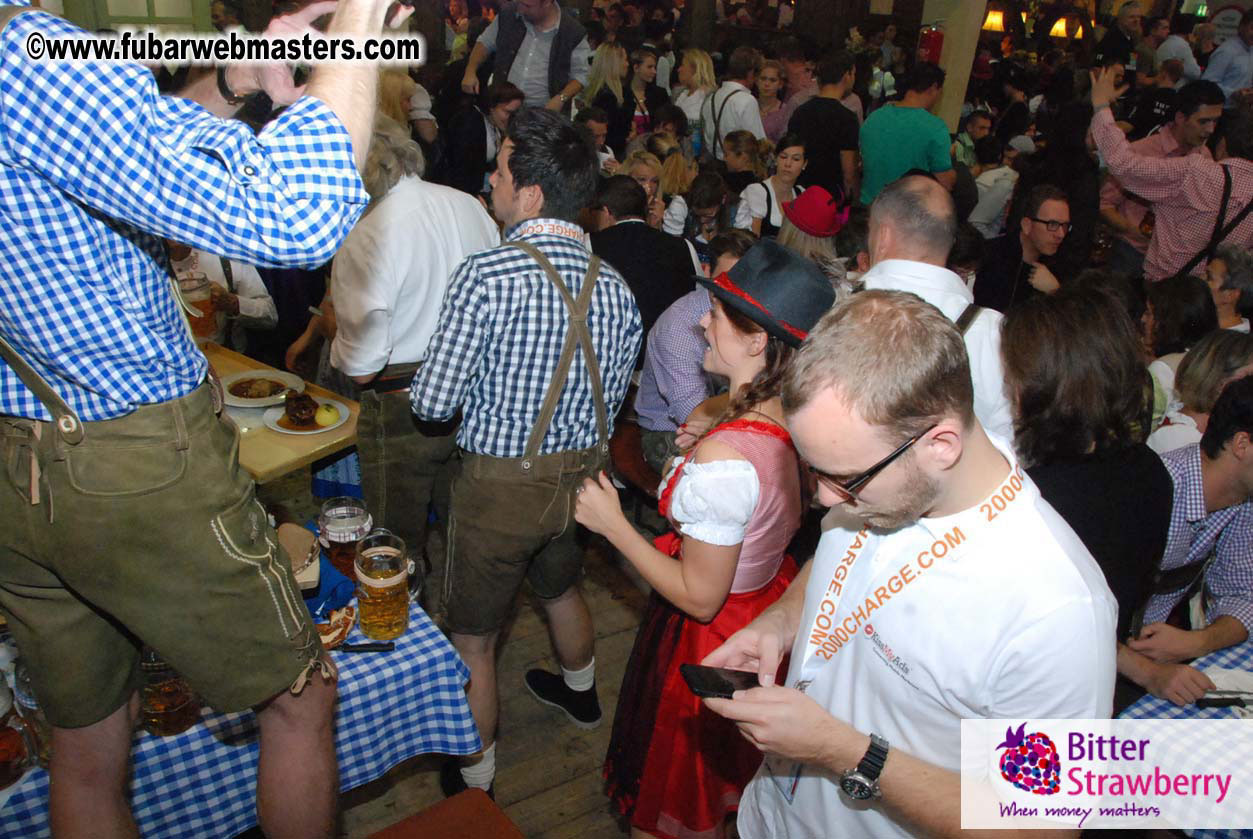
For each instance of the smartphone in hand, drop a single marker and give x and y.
(716, 682)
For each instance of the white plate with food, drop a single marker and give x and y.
(260, 388)
(303, 414)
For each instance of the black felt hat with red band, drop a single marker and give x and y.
(783, 293)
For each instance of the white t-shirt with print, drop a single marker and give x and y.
(971, 617)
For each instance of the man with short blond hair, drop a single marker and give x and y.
(959, 592)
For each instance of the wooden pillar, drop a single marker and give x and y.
(428, 21)
(816, 19)
(963, 21)
(699, 28)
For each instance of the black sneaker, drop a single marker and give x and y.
(451, 782)
(581, 706)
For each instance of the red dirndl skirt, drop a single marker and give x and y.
(675, 767)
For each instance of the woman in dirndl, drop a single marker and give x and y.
(734, 501)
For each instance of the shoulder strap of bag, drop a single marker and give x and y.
(1221, 231)
(576, 334)
(1187, 580)
(967, 317)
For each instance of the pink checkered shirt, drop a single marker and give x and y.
(1185, 193)
(1130, 206)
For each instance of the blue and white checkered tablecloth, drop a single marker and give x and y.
(201, 784)
(1239, 657)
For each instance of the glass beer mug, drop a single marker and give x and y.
(169, 706)
(382, 585)
(343, 522)
(195, 289)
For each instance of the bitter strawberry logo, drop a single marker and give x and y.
(1030, 762)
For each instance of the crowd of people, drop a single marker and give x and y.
(1025, 344)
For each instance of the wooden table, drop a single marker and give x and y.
(265, 453)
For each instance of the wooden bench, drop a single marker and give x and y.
(467, 815)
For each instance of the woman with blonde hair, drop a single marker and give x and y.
(696, 81)
(645, 169)
(402, 99)
(609, 68)
(809, 227)
(631, 115)
(1214, 361)
(676, 170)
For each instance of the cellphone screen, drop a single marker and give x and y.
(716, 682)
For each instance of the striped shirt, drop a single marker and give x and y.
(96, 165)
(499, 339)
(1195, 534)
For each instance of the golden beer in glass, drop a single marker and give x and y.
(382, 585)
(343, 522)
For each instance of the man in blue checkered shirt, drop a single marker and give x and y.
(1212, 517)
(535, 418)
(127, 518)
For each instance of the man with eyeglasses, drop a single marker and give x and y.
(1015, 268)
(957, 592)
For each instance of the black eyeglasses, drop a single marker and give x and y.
(849, 489)
(1053, 226)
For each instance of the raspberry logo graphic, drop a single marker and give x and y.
(1029, 761)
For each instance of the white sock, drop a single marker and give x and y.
(481, 773)
(580, 680)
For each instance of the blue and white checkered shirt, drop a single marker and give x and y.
(1194, 534)
(499, 339)
(95, 165)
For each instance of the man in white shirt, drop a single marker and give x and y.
(733, 107)
(963, 594)
(387, 286)
(240, 298)
(912, 227)
(1177, 48)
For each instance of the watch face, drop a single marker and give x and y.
(855, 787)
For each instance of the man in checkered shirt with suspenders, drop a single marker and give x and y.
(126, 516)
(535, 345)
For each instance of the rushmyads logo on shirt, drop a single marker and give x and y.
(1101, 773)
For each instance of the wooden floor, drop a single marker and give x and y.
(548, 777)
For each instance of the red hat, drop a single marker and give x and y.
(815, 212)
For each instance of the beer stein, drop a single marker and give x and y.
(196, 293)
(169, 705)
(382, 585)
(343, 522)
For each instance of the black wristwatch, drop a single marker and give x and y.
(862, 783)
(223, 88)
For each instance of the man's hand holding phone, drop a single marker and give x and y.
(758, 647)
